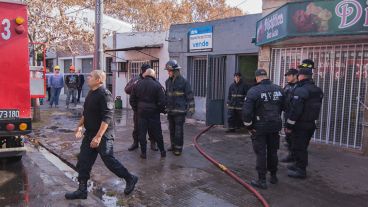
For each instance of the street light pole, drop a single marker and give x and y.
(98, 56)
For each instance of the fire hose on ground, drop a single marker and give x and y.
(227, 170)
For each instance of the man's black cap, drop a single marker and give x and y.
(307, 63)
(144, 67)
(261, 72)
(238, 74)
(292, 71)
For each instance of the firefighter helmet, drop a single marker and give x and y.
(172, 65)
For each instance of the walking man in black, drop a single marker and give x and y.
(262, 117)
(98, 138)
(148, 100)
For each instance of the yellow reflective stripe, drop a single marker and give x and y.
(237, 95)
(248, 123)
(237, 108)
(176, 93)
(176, 110)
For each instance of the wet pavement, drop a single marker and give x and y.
(35, 181)
(335, 178)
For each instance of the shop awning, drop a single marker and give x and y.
(155, 46)
(313, 18)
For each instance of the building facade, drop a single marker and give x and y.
(334, 34)
(210, 53)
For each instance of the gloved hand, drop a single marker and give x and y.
(191, 111)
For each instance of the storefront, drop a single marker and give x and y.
(210, 53)
(334, 34)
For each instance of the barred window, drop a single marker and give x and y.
(198, 78)
(135, 67)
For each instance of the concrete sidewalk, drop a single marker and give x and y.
(336, 178)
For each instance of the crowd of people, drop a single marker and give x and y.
(259, 108)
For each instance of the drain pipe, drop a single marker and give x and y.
(227, 170)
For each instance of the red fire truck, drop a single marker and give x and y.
(15, 79)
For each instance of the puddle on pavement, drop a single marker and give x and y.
(14, 189)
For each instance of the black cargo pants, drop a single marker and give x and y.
(151, 123)
(176, 127)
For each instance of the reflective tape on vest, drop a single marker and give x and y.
(248, 123)
(290, 122)
(176, 93)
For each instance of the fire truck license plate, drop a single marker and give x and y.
(9, 114)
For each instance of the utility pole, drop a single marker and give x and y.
(98, 56)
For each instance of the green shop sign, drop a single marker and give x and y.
(313, 18)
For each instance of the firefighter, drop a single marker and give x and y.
(304, 111)
(128, 90)
(180, 102)
(98, 138)
(72, 83)
(292, 79)
(262, 117)
(148, 100)
(237, 92)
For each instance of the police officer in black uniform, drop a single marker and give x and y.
(262, 117)
(148, 100)
(304, 111)
(128, 90)
(292, 79)
(180, 101)
(98, 138)
(237, 92)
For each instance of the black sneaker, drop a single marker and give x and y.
(143, 156)
(262, 184)
(130, 185)
(163, 154)
(274, 179)
(299, 174)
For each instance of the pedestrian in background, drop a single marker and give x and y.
(72, 83)
(237, 92)
(262, 117)
(80, 85)
(48, 88)
(148, 100)
(99, 137)
(56, 83)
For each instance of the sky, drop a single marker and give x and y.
(248, 6)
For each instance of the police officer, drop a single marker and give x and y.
(292, 79)
(128, 90)
(180, 101)
(262, 117)
(304, 111)
(98, 138)
(148, 100)
(237, 92)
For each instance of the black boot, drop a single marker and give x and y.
(154, 146)
(163, 154)
(274, 179)
(130, 184)
(177, 152)
(81, 193)
(134, 146)
(262, 184)
(297, 173)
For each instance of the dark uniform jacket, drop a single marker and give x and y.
(263, 106)
(81, 81)
(130, 85)
(237, 93)
(289, 93)
(305, 105)
(98, 108)
(148, 96)
(179, 95)
(72, 81)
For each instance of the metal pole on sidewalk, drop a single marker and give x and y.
(98, 56)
